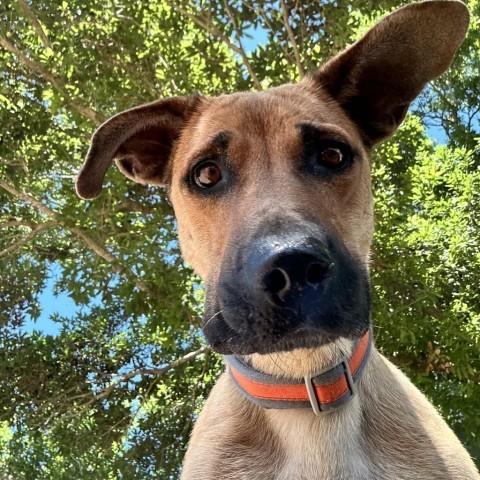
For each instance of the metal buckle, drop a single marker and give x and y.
(312, 395)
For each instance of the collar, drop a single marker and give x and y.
(323, 392)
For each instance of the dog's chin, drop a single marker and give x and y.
(226, 341)
(248, 347)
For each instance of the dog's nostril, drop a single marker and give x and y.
(315, 273)
(277, 282)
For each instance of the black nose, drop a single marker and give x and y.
(293, 272)
(286, 290)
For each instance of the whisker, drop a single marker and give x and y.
(212, 317)
(270, 355)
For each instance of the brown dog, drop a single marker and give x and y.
(272, 195)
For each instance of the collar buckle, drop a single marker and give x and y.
(317, 406)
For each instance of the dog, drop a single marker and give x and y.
(272, 194)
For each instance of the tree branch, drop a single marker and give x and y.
(26, 240)
(16, 222)
(114, 262)
(56, 82)
(29, 199)
(98, 249)
(122, 378)
(30, 14)
(241, 50)
(291, 36)
(92, 244)
(149, 371)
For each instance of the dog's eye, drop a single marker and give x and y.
(328, 156)
(206, 174)
(331, 157)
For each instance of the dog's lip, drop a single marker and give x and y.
(303, 336)
(297, 339)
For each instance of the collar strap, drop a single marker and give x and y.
(323, 392)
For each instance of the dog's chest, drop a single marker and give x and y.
(320, 447)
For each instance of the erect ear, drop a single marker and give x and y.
(377, 78)
(140, 140)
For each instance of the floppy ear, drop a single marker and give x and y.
(377, 78)
(140, 140)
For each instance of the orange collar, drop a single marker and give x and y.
(322, 392)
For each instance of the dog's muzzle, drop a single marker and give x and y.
(287, 290)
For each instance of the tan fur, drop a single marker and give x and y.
(388, 431)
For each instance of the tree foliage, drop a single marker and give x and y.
(115, 392)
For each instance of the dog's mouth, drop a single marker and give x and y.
(227, 341)
(271, 298)
(280, 333)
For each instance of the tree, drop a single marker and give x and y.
(114, 394)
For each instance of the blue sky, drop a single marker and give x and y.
(50, 304)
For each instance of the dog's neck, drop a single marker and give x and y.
(298, 363)
(301, 433)
(325, 390)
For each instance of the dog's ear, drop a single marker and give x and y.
(140, 140)
(377, 78)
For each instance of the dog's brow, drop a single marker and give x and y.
(221, 139)
(217, 145)
(326, 130)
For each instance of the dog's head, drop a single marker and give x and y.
(271, 190)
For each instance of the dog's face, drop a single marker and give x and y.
(271, 190)
(272, 195)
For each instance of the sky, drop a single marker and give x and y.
(50, 304)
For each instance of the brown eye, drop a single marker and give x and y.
(207, 174)
(331, 157)
(325, 154)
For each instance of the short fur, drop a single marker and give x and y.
(388, 430)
